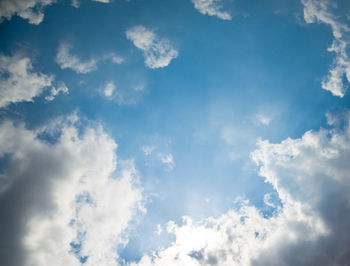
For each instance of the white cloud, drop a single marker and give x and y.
(319, 11)
(67, 60)
(32, 10)
(109, 89)
(102, 1)
(311, 177)
(123, 95)
(158, 52)
(66, 199)
(54, 92)
(115, 59)
(159, 229)
(211, 8)
(167, 159)
(18, 83)
(147, 150)
(263, 119)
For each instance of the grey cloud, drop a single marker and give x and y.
(40, 213)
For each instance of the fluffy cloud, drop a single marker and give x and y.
(32, 10)
(67, 60)
(18, 83)
(319, 11)
(62, 196)
(158, 52)
(311, 177)
(211, 8)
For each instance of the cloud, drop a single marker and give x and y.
(18, 83)
(64, 200)
(158, 52)
(31, 10)
(147, 150)
(54, 92)
(115, 59)
(123, 95)
(67, 60)
(311, 177)
(319, 11)
(211, 8)
(167, 159)
(263, 119)
(109, 89)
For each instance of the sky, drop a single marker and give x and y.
(188, 132)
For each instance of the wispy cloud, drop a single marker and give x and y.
(123, 95)
(263, 119)
(66, 59)
(158, 52)
(55, 91)
(18, 83)
(319, 11)
(167, 159)
(147, 150)
(211, 8)
(31, 10)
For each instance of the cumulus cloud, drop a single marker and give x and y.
(31, 10)
(64, 200)
(311, 177)
(18, 83)
(211, 8)
(158, 52)
(55, 91)
(320, 11)
(66, 59)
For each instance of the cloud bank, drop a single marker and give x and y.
(311, 177)
(211, 8)
(18, 83)
(158, 52)
(320, 11)
(64, 200)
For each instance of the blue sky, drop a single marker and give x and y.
(203, 132)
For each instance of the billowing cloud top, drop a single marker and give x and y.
(311, 176)
(68, 200)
